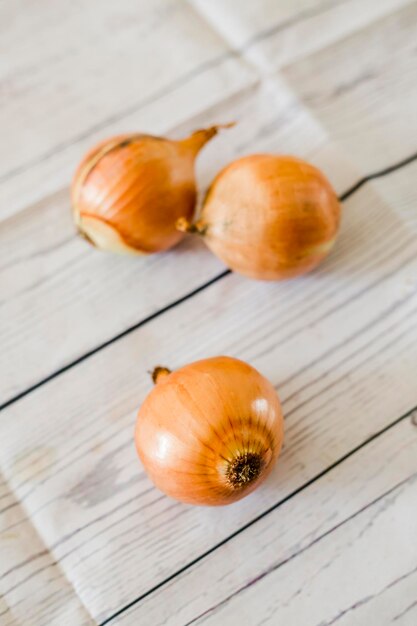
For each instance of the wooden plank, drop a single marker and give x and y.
(54, 287)
(329, 342)
(20, 541)
(60, 298)
(71, 75)
(274, 34)
(359, 567)
(398, 191)
(391, 604)
(253, 565)
(367, 108)
(74, 106)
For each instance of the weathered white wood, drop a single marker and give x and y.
(60, 298)
(342, 576)
(274, 34)
(75, 286)
(363, 90)
(397, 603)
(20, 541)
(82, 530)
(104, 80)
(289, 532)
(71, 74)
(397, 189)
(340, 346)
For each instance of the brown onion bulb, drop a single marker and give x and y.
(210, 432)
(269, 217)
(129, 191)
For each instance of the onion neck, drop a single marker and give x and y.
(159, 374)
(244, 469)
(199, 138)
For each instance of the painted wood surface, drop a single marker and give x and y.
(326, 529)
(369, 553)
(84, 536)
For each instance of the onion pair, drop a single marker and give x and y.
(210, 432)
(266, 216)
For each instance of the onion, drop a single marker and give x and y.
(129, 191)
(210, 432)
(269, 217)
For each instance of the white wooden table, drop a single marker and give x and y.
(332, 536)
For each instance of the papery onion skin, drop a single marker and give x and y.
(210, 432)
(129, 190)
(270, 217)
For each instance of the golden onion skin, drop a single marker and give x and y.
(210, 432)
(129, 190)
(270, 217)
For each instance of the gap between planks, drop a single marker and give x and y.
(274, 507)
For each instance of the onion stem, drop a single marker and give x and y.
(159, 374)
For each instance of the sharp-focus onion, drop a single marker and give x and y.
(269, 217)
(129, 191)
(210, 432)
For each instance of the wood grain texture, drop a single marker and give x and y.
(372, 103)
(251, 567)
(398, 191)
(372, 552)
(84, 536)
(76, 286)
(56, 601)
(274, 34)
(75, 74)
(330, 343)
(86, 97)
